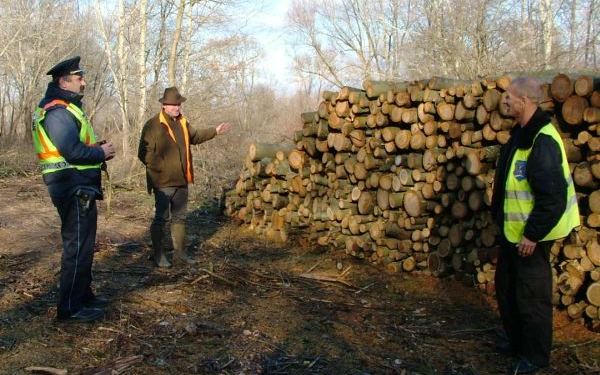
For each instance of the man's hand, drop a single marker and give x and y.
(223, 128)
(526, 247)
(109, 150)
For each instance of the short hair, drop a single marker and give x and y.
(66, 77)
(527, 87)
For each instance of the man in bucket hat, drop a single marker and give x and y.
(70, 160)
(165, 150)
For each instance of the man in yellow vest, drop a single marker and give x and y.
(70, 160)
(165, 150)
(534, 204)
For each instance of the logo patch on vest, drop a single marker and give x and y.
(520, 170)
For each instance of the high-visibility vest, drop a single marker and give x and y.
(186, 139)
(50, 158)
(519, 199)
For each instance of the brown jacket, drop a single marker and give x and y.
(166, 160)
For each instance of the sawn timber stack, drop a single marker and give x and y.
(400, 174)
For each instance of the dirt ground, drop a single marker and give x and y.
(249, 307)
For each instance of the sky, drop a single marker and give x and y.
(269, 28)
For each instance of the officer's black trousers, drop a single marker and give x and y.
(78, 230)
(524, 293)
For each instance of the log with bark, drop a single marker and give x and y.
(398, 172)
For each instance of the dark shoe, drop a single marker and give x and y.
(84, 315)
(504, 347)
(524, 367)
(97, 302)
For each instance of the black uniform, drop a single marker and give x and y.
(524, 284)
(74, 193)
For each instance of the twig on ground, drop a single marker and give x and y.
(575, 345)
(116, 367)
(227, 281)
(335, 279)
(314, 362)
(472, 330)
(199, 278)
(345, 271)
(313, 267)
(110, 330)
(124, 272)
(364, 288)
(228, 363)
(46, 370)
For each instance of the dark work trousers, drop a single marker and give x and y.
(524, 293)
(170, 204)
(78, 230)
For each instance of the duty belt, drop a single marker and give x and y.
(59, 165)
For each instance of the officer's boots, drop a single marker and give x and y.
(159, 256)
(180, 254)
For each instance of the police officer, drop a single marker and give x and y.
(71, 160)
(534, 204)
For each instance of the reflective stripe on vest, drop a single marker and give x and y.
(50, 158)
(186, 140)
(519, 199)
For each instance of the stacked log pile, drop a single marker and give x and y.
(401, 174)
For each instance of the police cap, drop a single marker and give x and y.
(66, 67)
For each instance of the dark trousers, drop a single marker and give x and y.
(78, 230)
(524, 293)
(170, 204)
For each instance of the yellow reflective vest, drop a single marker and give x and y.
(50, 158)
(519, 199)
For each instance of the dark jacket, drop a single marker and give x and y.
(63, 129)
(544, 174)
(164, 159)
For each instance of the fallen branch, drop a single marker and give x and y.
(46, 370)
(335, 279)
(232, 283)
(199, 278)
(115, 367)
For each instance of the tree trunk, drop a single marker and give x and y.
(172, 64)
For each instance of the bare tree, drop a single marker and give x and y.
(118, 68)
(26, 56)
(142, 64)
(591, 34)
(171, 69)
(344, 42)
(547, 17)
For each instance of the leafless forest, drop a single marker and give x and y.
(133, 49)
